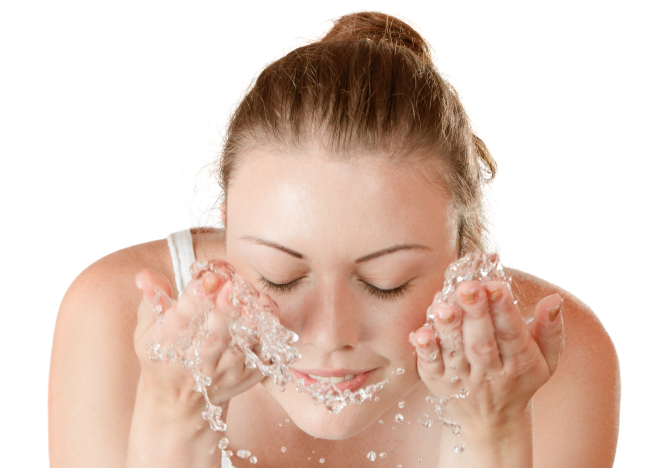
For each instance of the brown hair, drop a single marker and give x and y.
(368, 87)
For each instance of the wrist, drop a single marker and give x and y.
(166, 433)
(171, 406)
(503, 440)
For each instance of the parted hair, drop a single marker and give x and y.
(367, 88)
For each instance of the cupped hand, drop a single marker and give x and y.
(482, 344)
(204, 305)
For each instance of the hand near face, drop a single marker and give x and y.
(482, 344)
(206, 298)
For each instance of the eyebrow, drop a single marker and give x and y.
(363, 259)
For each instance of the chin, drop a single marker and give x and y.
(319, 422)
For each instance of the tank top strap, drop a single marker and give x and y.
(181, 249)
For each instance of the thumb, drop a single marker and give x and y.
(157, 299)
(548, 329)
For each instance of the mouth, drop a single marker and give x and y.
(341, 379)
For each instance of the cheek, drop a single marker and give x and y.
(393, 328)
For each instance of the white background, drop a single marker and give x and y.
(110, 114)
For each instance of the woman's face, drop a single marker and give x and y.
(360, 247)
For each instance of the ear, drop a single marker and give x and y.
(222, 209)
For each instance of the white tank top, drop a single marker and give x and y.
(181, 249)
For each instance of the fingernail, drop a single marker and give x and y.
(422, 341)
(555, 312)
(493, 294)
(470, 296)
(210, 283)
(445, 314)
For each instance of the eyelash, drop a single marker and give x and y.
(385, 294)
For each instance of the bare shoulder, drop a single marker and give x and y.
(94, 370)
(576, 413)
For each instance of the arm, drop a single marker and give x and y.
(576, 413)
(94, 370)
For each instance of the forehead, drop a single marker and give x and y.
(309, 199)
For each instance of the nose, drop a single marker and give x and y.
(330, 318)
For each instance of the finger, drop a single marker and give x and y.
(514, 341)
(430, 362)
(448, 323)
(157, 299)
(548, 331)
(478, 331)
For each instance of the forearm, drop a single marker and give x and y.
(497, 445)
(164, 436)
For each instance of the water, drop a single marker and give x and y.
(401, 404)
(382, 455)
(255, 325)
(253, 460)
(459, 448)
(321, 460)
(283, 449)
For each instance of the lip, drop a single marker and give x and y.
(353, 384)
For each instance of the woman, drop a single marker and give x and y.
(352, 179)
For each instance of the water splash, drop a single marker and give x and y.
(255, 330)
(472, 267)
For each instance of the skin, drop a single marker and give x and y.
(333, 213)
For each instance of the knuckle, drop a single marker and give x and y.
(484, 347)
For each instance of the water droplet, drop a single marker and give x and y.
(371, 456)
(253, 460)
(453, 367)
(380, 421)
(401, 404)
(453, 379)
(459, 448)
(464, 393)
(283, 449)
(223, 443)
(425, 416)
(419, 460)
(400, 371)
(286, 420)
(382, 455)
(321, 460)
(243, 453)
(280, 424)
(376, 399)
(399, 418)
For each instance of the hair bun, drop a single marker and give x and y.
(380, 29)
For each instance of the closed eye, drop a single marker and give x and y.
(386, 294)
(279, 288)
